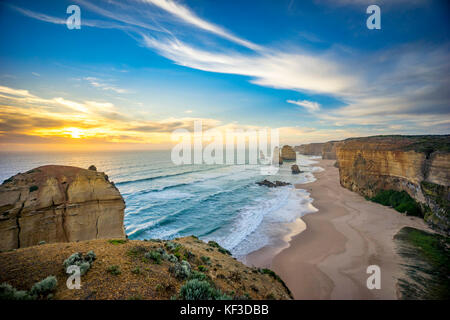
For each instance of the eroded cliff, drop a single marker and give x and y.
(59, 204)
(419, 165)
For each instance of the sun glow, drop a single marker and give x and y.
(75, 133)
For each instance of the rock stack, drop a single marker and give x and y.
(59, 204)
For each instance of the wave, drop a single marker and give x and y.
(164, 176)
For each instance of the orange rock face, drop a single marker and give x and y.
(59, 204)
(288, 153)
(367, 165)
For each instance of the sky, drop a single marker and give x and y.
(137, 70)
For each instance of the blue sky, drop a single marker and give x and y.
(138, 69)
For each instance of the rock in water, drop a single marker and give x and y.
(287, 153)
(59, 204)
(271, 184)
(295, 169)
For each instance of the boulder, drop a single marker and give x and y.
(271, 184)
(295, 169)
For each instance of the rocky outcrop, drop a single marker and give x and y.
(419, 165)
(288, 153)
(295, 169)
(271, 184)
(59, 204)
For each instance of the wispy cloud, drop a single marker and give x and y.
(97, 83)
(311, 106)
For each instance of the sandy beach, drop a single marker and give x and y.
(329, 259)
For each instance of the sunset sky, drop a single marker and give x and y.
(139, 69)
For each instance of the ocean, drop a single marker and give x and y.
(214, 202)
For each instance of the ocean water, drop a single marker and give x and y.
(214, 202)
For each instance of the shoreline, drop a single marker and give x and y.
(328, 259)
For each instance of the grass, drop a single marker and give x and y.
(117, 241)
(399, 200)
(428, 274)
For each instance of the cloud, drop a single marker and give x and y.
(188, 16)
(405, 86)
(97, 83)
(311, 106)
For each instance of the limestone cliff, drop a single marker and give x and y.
(327, 149)
(312, 149)
(59, 204)
(419, 165)
(287, 153)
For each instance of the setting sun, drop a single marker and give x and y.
(75, 133)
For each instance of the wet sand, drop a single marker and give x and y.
(329, 259)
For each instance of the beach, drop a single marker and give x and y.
(328, 259)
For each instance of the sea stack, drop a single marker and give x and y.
(59, 204)
(295, 169)
(287, 153)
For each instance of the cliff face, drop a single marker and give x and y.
(59, 204)
(287, 153)
(329, 150)
(312, 149)
(418, 165)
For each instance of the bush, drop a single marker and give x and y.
(77, 259)
(197, 275)
(206, 260)
(44, 287)
(153, 255)
(173, 246)
(40, 290)
(198, 290)
(33, 188)
(202, 268)
(8, 292)
(114, 269)
(399, 200)
(219, 248)
(181, 270)
(170, 257)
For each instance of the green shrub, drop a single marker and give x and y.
(114, 269)
(206, 260)
(44, 287)
(77, 259)
(399, 200)
(33, 188)
(170, 257)
(213, 244)
(198, 290)
(197, 275)
(172, 246)
(8, 292)
(219, 248)
(181, 270)
(153, 255)
(202, 268)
